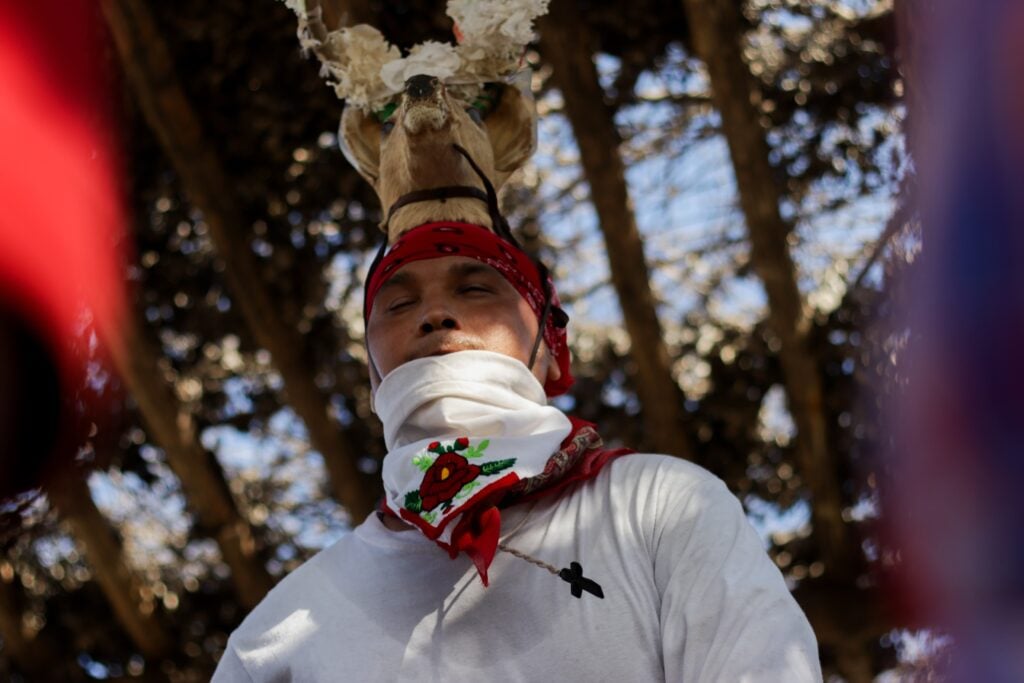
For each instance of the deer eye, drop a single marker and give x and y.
(387, 127)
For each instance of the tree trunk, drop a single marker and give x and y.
(854, 662)
(150, 71)
(842, 613)
(568, 47)
(105, 555)
(202, 479)
(717, 33)
(34, 654)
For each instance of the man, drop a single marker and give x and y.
(565, 561)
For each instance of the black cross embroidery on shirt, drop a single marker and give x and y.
(573, 575)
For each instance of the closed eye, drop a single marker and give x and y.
(470, 289)
(399, 304)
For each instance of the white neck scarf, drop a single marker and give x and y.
(458, 428)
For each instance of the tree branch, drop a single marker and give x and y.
(105, 555)
(202, 479)
(150, 71)
(566, 44)
(718, 32)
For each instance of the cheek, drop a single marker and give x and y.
(511, 333)
(528, 320)
(383, 342)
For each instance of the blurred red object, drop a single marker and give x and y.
(60, 224)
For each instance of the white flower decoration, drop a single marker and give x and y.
(361, 52)
(367, 71)
(494, 35)
(484, 20)
(430, 58)
(297, 6)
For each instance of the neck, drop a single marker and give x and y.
(446, 164)
(462, 209)
(393, 523)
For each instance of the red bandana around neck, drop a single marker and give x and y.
(442, 239)
(580, 457)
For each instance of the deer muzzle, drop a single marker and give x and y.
(424, 106)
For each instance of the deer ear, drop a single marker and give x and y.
(512, 129)
(360, 143)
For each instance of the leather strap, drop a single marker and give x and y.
(438, 193)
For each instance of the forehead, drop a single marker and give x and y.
(446, 267)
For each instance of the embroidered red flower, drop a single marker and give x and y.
(446, 477)
(449, 475)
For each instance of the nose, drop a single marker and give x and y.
(437, 319)
(421, 86)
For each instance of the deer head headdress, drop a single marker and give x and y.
(437, 130)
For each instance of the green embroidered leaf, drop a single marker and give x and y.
(467, 489)
(477, 450)
(429, 516)
(423, 461)
(413, 502)
(496, 466)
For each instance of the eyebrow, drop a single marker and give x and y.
(399, 279)
(475, 268)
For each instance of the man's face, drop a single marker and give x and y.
(449, 304)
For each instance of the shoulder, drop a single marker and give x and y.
(725, 608)
(285, 616)
(662, 480)
(652, 496)
(652, 467)
(300, 582)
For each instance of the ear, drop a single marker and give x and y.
(360, 143)
(512, 129)
(554, 372)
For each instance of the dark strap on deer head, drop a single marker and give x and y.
(434, 193)
(488, 195)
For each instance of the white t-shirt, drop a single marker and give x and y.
(689, 595)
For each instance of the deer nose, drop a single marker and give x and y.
(421, 86)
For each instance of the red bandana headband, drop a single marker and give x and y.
(438, 240)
